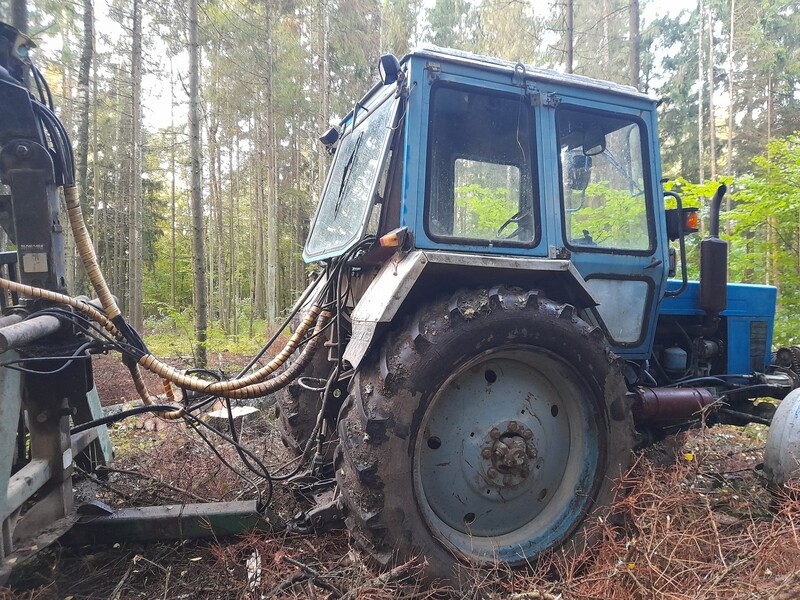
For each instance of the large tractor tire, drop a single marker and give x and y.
(488, 428)
(297, 407)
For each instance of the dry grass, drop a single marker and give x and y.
(699, 528)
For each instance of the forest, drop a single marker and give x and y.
(260, 81)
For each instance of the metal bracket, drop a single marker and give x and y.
(548, 99)
(434, 69)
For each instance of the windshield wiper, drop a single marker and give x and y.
(612, 160)
(346, 175)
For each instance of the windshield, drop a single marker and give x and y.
(345, 205)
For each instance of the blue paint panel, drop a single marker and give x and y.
(610, 263)
(750, 312)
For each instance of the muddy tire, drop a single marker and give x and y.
(296, 408)
(488, 428)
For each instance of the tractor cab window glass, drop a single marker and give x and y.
(603, 189)
(480, 183)
(344, 207)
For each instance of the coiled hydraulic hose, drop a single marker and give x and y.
(251, 386)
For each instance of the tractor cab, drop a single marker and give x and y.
(487, 164)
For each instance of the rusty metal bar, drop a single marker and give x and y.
(25, 484)
(175, 522)
(27, 332)
(660, 405)
(81, 440)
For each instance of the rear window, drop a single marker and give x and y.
(480, 185)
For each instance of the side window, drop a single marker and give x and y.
(603, 189)
(480, 186)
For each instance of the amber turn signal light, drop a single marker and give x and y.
(395, 238)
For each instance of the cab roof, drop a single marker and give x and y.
(461, 57)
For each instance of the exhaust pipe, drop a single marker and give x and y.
(714, 264)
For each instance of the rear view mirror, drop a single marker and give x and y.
(579, 171)
(594, 141)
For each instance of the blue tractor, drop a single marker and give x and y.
(511, 318)
(499, 318)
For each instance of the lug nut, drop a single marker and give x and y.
(525, 471)
(486, 453)
(491, 473)
(513, 427)
(494, 433)
(527, 434)
(508, 480)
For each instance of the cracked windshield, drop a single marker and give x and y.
(344, 206)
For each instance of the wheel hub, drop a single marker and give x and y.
(508, 455)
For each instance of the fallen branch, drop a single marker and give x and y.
(174, 488)
(115, 595)
(297, 577)
(380, 581)
(316, 577)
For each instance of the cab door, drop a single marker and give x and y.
(604, 182)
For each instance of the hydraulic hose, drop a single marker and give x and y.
(86, 251)
(252, 386)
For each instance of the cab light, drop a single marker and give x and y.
(691, 220)
(395, 238)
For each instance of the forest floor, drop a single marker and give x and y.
(695, 522)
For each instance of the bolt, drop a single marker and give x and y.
(508, 480)
(530, 450)
(486, 453)
(513, 427)
(494, 433)
(527, 434)
(337, 393)
(22, 150)
(42, 417)
(491, 473)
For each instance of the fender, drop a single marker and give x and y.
(427, 272)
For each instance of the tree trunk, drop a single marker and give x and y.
(729, 165)
(635, 44)
(700, 86)
(712, 124)
(135, 260)
(570, 37)
(19, 15)
(82, 153)
(198, 250)
(272, 175)
(323, 82)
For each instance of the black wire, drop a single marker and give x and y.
(58, 144)
(38, 82)
(283, 326)
(81, 353)
(192, 420)
(137, 410)
(38, 74)
(710, 378)
(260, 503)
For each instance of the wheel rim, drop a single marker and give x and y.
(508, 457)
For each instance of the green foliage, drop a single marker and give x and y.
(481, 211)
(612, 217)
(170, 333)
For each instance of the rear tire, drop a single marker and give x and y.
(296, 408)
(486, 429)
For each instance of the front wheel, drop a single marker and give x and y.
(487, 429)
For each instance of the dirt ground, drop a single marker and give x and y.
(695, 522)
